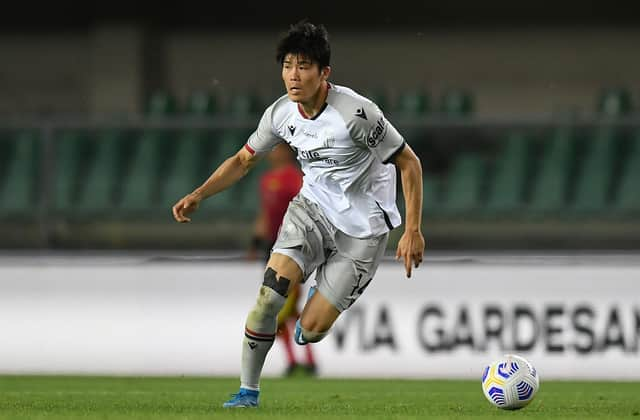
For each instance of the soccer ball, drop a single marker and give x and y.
(510, 382)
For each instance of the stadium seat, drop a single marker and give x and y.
(463, 184)
(18, 186)
(243, 104)
(551, 183)
(72, 159)
(151, 152)
(104, 176)
(431, 200)
(202, 104)
(227, 201)
(187, 170)
(249, 191)
(507, 187)
(614, 102)
(595, 175)
(456, 103)
(144, 175)
(412, 104)
(161, 104)
(627, 196)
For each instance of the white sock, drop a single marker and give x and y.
(259, 334)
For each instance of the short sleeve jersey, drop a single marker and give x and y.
(344, 152)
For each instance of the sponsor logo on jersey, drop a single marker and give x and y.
(314, 156)
(360, 113)
(309, 155)
(309, 134)
(377, 133)
(292, 129)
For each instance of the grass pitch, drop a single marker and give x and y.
(60, 397)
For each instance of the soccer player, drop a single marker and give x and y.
(339, 223)
(278, 186)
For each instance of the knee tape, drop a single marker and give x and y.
(280, 286)
(312, 336)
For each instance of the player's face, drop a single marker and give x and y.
(302, 78)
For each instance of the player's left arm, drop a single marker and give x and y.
(411, 244)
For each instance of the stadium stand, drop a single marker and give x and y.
(463, 185)
(595, 176)
(551, 182)
(506, 192)
(19, 197)
(456, 103)
(472, 173)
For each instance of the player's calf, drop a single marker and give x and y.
(303, 336)
(260, 328)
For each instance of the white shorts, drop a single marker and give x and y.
(345, 265)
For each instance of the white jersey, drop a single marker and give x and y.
(344, 153)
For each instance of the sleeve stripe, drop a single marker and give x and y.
(249, 149)
(395, 153)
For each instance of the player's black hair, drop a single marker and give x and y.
(308, 40)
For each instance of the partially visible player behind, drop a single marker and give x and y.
(278, 186)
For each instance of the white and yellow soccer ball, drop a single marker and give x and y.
(510, 382)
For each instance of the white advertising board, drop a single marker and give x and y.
(447, 321)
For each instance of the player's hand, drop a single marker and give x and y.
(410, 249)
(187, 205)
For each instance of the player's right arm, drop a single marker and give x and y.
(227, 174)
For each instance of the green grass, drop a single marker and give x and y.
(60, 397)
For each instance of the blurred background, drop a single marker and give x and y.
(526, 118)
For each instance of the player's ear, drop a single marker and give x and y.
(325, 72)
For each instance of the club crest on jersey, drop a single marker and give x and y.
(377, 133)
(360, 113)
(292, 129)
(329, 137)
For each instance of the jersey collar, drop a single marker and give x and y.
(324, 106)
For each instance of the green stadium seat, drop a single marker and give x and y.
(187, 170)
(151, 153)
(104, 176)
(412, 104)
(145, 173)
(595, 177)
(242, 104)
(456, 103)
(72, 158)
(463, 185)
(227, 201)
(614, 102)
(551, 184)
(7, 147)
(249, 191)
(161, 104)
(507, 188)
(202, 104)
(627, 197)
(431, 200)
(18, 186)
(628, 194)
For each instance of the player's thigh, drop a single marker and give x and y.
(349, 271)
